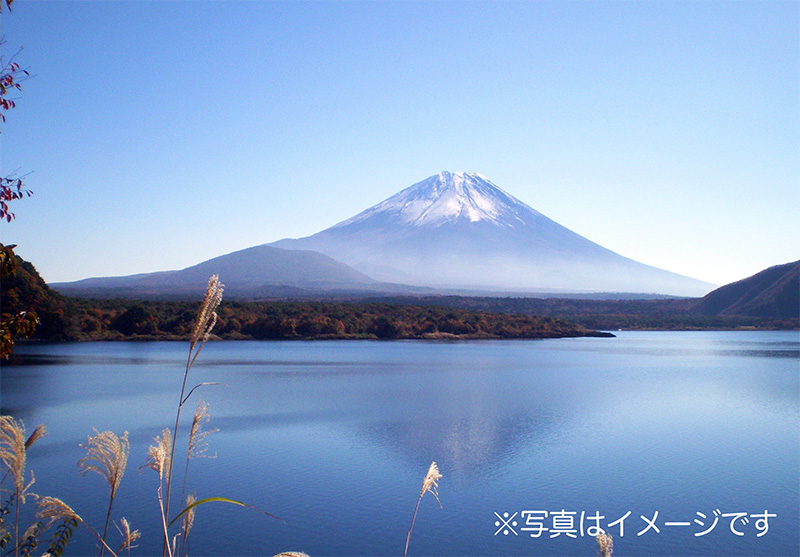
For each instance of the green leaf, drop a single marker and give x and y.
(220, 500)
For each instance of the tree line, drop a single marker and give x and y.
(63, 318)
(114, 319)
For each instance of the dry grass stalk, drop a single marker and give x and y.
(31, 531)
(197, 446)
(429, 485)
(188, 518)
(158, 455)
(206, 319)
(13, 454)
(30, 538)
(197, 437)
(606, 544)
(128, 536)
(53, 509)
(174, 547)
(39, 432)
(207, 316)
(188, 521)
(107, 456)
(159, 458)
(12, 451)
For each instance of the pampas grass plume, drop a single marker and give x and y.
(128, 536)
(606, 544)
(12, 450)
(107, 456)
(39, 432)
(53, 509)
(429, 485)
(207, 316)
(158, 455)
(197, 443)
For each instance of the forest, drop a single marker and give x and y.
(68, 319)
(402, 317)
(111, 319)
(678, 314)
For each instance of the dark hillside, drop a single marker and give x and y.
(774, 292)
(25, 290)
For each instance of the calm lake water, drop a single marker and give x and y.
(697, 433)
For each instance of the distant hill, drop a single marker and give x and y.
(260, 271)
(774, 292)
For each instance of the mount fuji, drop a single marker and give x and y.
(459, 230)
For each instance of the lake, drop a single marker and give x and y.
(676, 443)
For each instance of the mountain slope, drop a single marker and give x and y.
(25, 290)
(774, 292)
(460, 230)
(251, 272)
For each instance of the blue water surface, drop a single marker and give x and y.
(697, 433)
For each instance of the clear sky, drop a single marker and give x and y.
(161, 134)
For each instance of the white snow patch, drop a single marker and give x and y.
(450, 197)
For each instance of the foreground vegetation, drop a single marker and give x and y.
(107, 455)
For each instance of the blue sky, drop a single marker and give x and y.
(161, 134)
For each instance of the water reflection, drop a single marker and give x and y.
(469, 445)
(667, 421)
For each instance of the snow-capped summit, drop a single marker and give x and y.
(449, 197)
(458, 229)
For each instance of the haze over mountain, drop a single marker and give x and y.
(453, 231)
(459, 230)
(260, 271)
